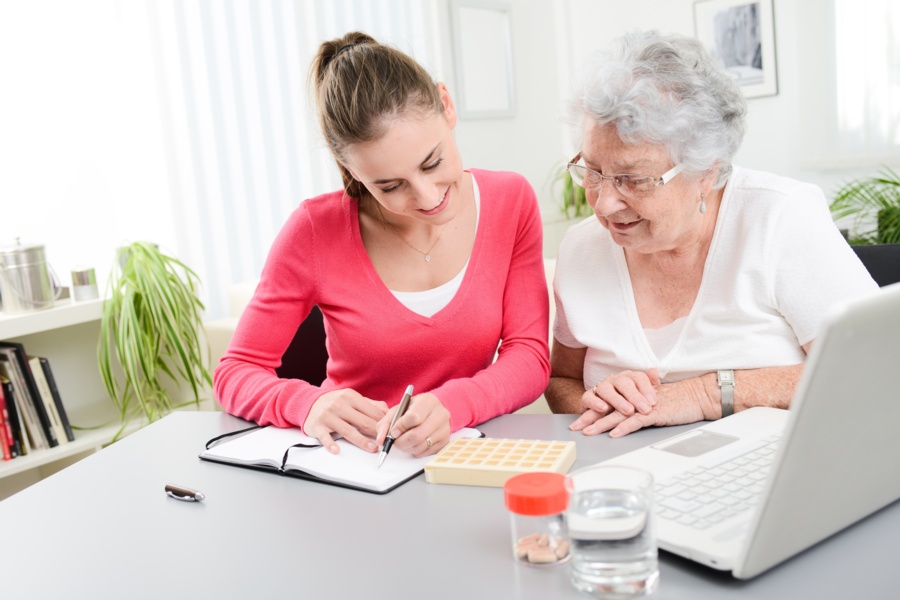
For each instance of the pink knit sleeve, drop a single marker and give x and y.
(522, 369)
(245, 382)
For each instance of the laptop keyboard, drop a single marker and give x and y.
(718, 489)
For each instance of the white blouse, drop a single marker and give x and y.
(776, 265)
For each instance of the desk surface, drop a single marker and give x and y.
(104, 528)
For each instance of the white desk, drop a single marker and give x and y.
(104, 528)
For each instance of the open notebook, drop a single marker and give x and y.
(749, 491)
(290, 452)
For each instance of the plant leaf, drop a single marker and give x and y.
(869, 202)
(150, 330)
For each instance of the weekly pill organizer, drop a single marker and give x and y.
(490, 462)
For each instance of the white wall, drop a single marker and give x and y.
(775, 124)
(530, 142)
(59, 157)
(551, 40)
(73, 117)
(80, 122)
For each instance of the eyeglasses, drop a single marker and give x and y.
(628, 185)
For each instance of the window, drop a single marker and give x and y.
(853, 93)
(182, 122)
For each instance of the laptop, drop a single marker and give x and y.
(791, 478)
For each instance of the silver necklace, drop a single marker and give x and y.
(426, 254)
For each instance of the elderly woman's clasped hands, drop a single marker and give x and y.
(627, 401)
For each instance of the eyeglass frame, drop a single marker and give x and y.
(616, 179)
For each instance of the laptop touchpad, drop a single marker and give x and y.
(695, 443)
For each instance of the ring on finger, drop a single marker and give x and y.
(594, 389)
(429, 442)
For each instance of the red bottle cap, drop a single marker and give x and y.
(536, 494)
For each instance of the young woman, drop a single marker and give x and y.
(421, 269)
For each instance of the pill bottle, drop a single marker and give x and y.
(537, 505)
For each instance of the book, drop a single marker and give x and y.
(266, 448)
(4, 445)
(15, 352)
(46, 396)
(11, 441)
(33, 436)
(57, 399)
(5, 430)
(19, 446)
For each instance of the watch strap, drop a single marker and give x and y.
(725, 379)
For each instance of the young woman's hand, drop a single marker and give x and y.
(347, 414)
(423, 430)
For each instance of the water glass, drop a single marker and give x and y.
(613, 540)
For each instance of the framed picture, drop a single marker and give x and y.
(482, 53)
(741, 34)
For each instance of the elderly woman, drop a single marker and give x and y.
(699, 287)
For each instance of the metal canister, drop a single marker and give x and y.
(25, 280)
(84, 284)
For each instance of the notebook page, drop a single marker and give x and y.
(264, 446)
(356, 467)
(352, 466)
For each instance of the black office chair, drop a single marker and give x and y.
(882, 261)
(306, 356)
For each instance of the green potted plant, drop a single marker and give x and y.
(874, 205)
(572, 201)
(151, 333)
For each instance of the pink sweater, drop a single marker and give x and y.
(376, 345)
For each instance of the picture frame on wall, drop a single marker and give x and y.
(483, 57)
(741, 34)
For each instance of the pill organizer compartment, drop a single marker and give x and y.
(491, 462)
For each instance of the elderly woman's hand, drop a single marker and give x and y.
(626, 392)
(677, 403)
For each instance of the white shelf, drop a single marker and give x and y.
(62, 315)
(67, 334)
(101, 415)
(85, 441)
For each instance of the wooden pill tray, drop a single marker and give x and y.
(490, 462)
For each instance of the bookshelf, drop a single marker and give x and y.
(62, 315)
(67, 335)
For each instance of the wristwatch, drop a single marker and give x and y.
(726, 384)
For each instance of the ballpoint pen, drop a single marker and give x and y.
(389, 440)
(182, 493)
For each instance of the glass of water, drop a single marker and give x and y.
(610, 522)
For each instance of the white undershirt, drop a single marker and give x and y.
(662, 340)
(429, 302)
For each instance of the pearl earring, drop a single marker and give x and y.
(702, 204)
